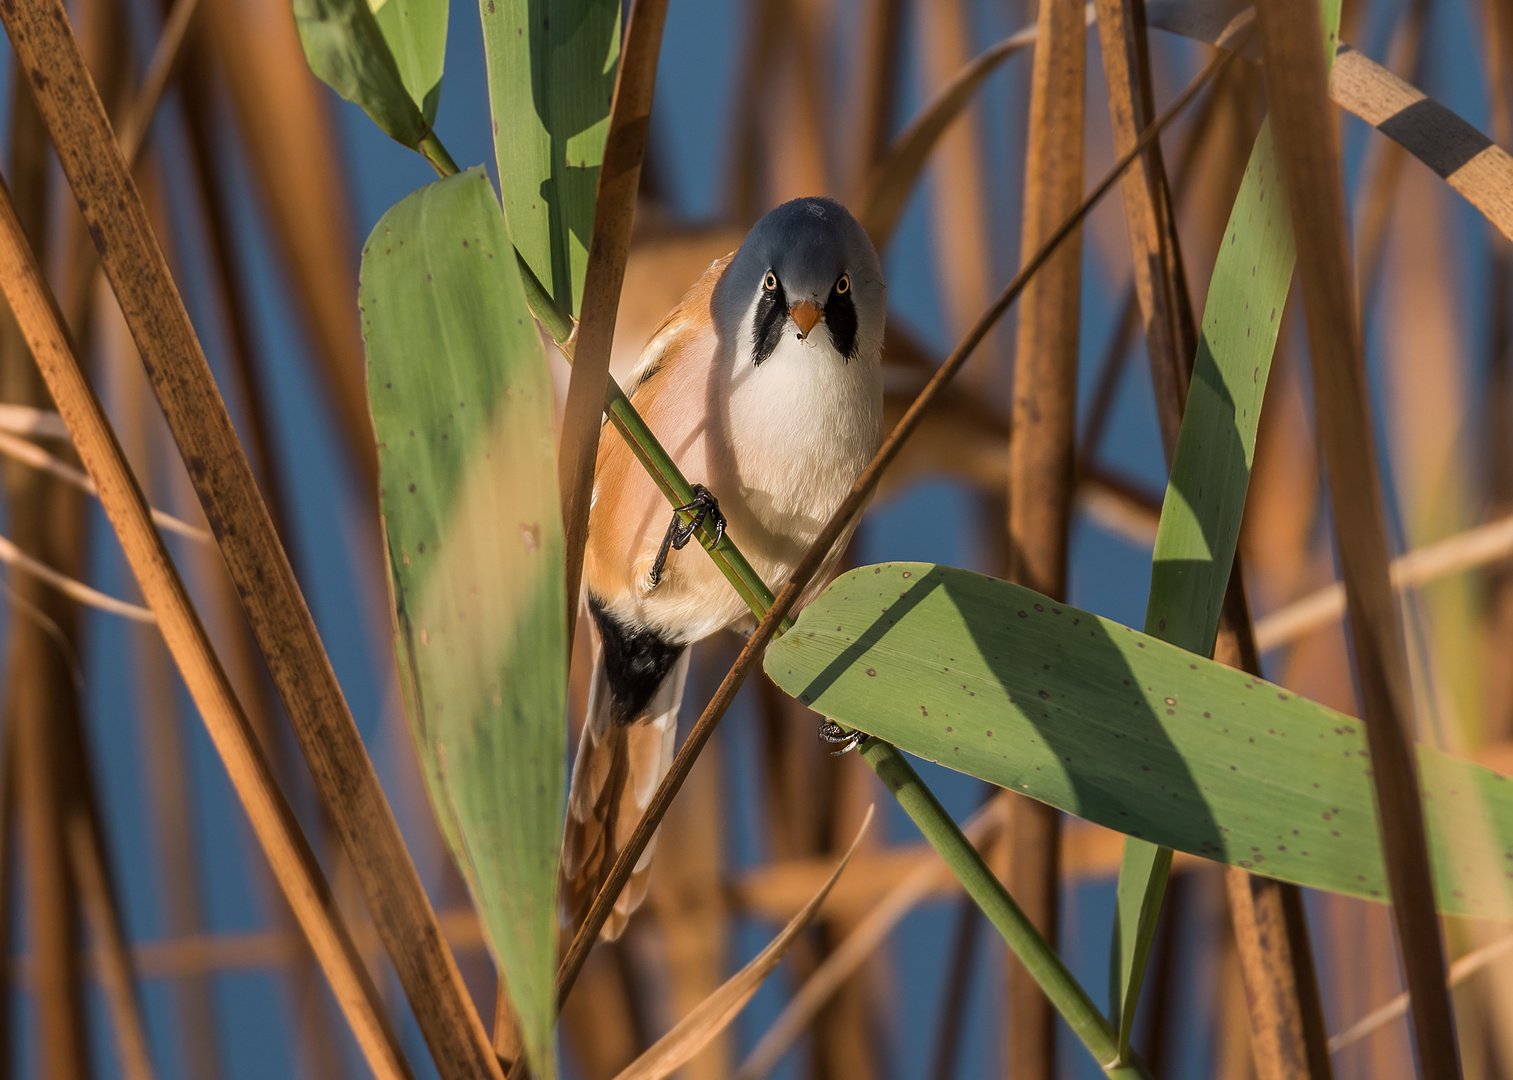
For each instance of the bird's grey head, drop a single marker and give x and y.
(805, 267)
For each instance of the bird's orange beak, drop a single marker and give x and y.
(804, 315)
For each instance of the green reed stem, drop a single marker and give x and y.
(1034, 952)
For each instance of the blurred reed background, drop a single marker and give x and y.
(145, 935)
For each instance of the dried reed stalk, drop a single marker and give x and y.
(39, 689)
(1042, 438)
(275, 608)
(37, 314)
(1150, 215)
(609, 246)
(1308, 145)
(86, 853)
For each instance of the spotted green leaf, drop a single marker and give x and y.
(1122, 729)
(462, 410)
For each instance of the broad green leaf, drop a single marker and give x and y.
(1129, 732)
(1210, 475)
(551, 82)
(386, 58)
(416, 32)
(462, 409)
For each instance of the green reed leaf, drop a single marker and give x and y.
(1122, 729)
(462, 409)
(552, 69)
(386, 57)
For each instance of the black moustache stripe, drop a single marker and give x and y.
(840, 317)
(771, 317)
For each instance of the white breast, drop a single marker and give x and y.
(803, 424)
(779, 444)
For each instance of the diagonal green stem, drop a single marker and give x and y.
(659, 464)
(1033, 951)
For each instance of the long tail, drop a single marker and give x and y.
(615, 775)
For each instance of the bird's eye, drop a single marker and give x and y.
(770, 282)
(844, 284)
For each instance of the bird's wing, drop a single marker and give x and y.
(629, 512)
(692, 311)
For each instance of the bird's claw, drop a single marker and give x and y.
(837, 736)
(703, 507)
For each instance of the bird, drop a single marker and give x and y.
(765, 386)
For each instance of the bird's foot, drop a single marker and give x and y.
(703, 507)
(844, 741)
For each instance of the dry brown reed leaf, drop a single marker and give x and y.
(75, 590)
(37, 313)
(907, 892)
(1480, 546)
(1308, 146)
(609, 247)
(38, 458)
(694, 1031)
(160, 724)
(1460, 971)
(1457, 152)
(101, 911)
(275, 608)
